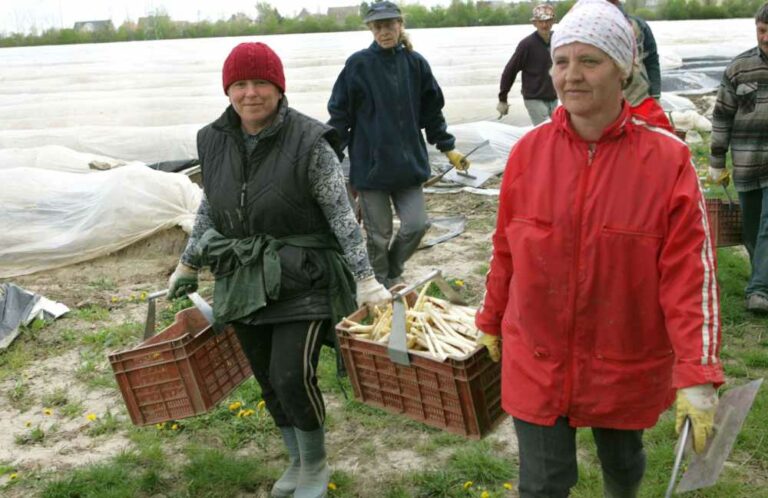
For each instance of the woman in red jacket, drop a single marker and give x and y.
(601, 289)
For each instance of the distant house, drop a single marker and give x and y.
(341, 13)
(304, 14)
(93, 26)
(241, 18)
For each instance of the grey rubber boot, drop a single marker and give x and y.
(612, 489)
(315, 473)
(285, 486)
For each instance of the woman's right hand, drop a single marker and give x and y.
(492, 343)
(183, 281)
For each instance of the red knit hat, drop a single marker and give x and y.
(253, 61)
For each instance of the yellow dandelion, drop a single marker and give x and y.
(47, 411)
(13, 476)
(160, 426)
(507, 485)
(143, 296)
(468, 484)
(175, 427)
(249, 412)
(91, 416)
(459, 282)
(114, 299)
(234, 406)
(485, 494)
(261, 405)
(332, 486)
(241, 413)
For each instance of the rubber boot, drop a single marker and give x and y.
(315, 473)
(286, 485)
(613, 489)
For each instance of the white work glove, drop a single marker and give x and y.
(370, 292)
(502, 108)
(183, 281)
(719, 176)
(698, 403)
(492, 343)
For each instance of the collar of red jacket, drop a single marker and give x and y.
(561, 119)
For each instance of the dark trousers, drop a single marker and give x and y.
(283, 357)
(548, 466)
(754, 229)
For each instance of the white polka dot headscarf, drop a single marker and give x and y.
(602, 25)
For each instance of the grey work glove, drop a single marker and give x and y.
(370, 292)
(183, 281)
(502, 108)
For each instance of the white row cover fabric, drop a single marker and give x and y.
(148, 144)
(52, 218)
(55, 157)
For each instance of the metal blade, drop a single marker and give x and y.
(398, 348)
(704, 469)
(202, 306)
(473, 177)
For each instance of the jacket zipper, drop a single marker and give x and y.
(580, 194)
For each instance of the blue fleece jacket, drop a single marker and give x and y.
(380, 102)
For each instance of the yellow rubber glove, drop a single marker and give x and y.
(457, 160)
(719, 176)
(492, 343)
(698, 403)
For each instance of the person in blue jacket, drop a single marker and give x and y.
(382, 99)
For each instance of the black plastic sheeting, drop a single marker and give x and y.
(15, 306)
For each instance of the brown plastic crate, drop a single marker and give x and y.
(462, 396)
(724, 222)
(183, 371)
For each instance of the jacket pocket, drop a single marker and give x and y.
(746, 95)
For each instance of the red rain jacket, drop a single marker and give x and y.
(602, 281)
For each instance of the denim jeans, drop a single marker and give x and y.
(754, 229)
(548, 467)
(539, 110)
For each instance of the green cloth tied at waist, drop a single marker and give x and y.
(248, 272)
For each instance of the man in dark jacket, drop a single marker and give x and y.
(532, 58)
(382, 99)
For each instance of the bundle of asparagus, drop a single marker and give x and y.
(432, 325)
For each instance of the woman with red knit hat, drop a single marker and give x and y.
(276, 229)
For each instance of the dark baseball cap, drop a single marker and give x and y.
(382, 10)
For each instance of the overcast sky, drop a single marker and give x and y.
(22, 15)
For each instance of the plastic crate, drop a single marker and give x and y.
(462, 396)
(183, 371)
(724, 222)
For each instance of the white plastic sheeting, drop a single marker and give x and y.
(64, 106)
(53, 218)
(54, 157)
